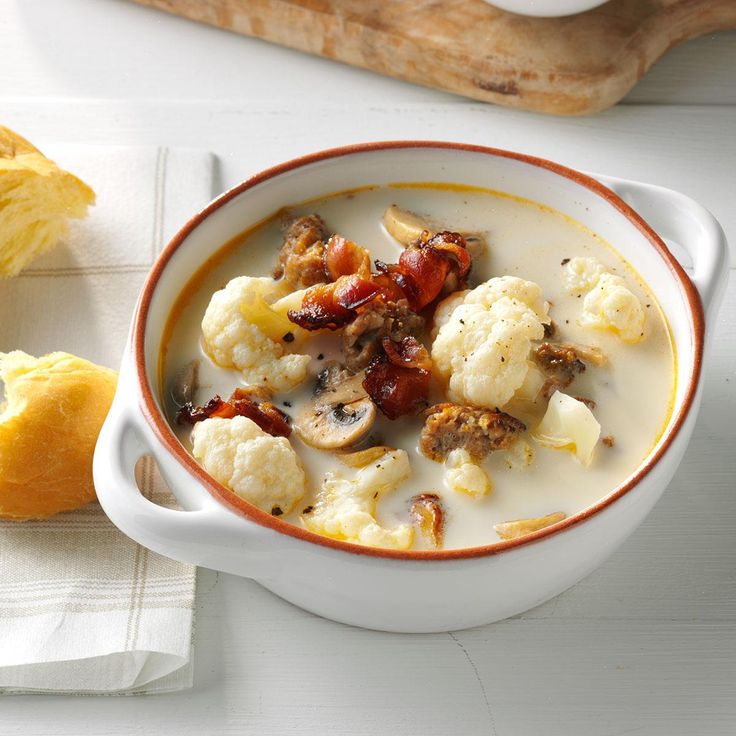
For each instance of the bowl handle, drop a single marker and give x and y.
(206, 534)
(679, 218)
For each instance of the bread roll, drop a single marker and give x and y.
(37, 199)
(53, 411)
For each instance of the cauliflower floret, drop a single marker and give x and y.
(445, 308)
(611, 305)
(234, 341)
(464, 476)
(519, 456)
(569, 424)
(345, 507)
(482, 348)
(532, 385)
(582, 274)
(293, 300)
(512, 287)
(260, 468)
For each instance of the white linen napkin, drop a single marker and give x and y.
(84, 609)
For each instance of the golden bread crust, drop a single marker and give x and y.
(37, 199)
(13, 145)
(55, 407)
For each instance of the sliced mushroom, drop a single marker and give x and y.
(427, 513)
(476, 244)
(331, 376)
(361, 458)
(590, 353)
(520, 527)
(340, 415)
(404, 226)
(186, 383)
(407, 227)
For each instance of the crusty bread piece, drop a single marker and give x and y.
(53, 411)
(37, 199)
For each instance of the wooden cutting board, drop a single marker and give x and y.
(567, 66)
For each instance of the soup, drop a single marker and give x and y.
(479, 450)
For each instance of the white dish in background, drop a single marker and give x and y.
(546, 8)
(385, 589)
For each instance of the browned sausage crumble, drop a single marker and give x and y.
(362, 337)
(301, 258)
(478, 431)
(561, 363)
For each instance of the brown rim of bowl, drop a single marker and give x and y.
(240, 506)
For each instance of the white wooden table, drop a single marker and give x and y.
(647, 644)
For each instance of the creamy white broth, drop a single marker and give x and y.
(633, 391)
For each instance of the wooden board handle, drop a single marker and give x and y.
(567, 66)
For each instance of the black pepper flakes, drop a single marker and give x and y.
(276, 511)
(287, 403)
(288, 337)
(308, 510)
(321, 356)
(564, 261)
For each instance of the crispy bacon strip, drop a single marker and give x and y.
(397, 379)
(265, 414)
(215, 407)
(407, 353)
(454, 247)
(344, 258)
(424, 269)
(332, 306)
(390, 290)
(352, 292)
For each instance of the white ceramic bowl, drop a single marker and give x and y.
(387, 589)
(546, 8)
